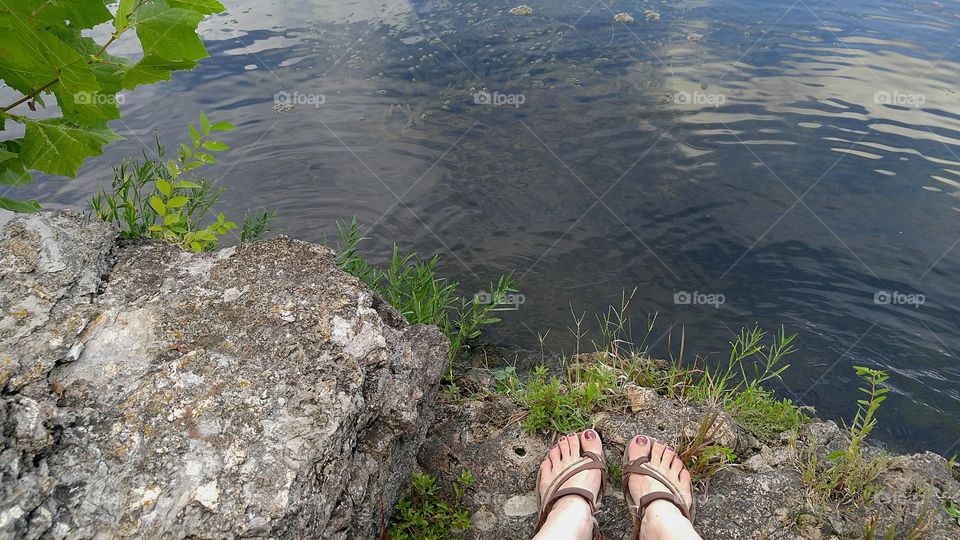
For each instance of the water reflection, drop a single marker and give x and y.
(795, 159)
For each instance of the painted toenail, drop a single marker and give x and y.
(572, 435)
(590, 434)
(641, 439)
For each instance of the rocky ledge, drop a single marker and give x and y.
(764, 496)
(253, 392)
(261, 392)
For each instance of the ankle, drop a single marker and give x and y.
(661, 519)
(570, 517)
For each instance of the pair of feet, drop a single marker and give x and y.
(571, 517)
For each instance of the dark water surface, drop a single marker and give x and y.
(797, 158)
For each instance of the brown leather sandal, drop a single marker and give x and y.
(588, 461)
(639, 466)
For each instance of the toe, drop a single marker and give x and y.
(639, 446)
(573, 440)
(668, 455)
(554, 454)
(590, 442)
(686, 484)
(658, 449)
(676, 466)
(545, 467)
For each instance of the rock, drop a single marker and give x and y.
(522, 10)
(255, 391)
(764, 497)
(694, 37)
(651, 16)
(623, 18)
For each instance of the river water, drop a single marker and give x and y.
(758, 161)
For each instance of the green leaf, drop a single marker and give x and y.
(19, 206)
(163, 187)
(215, 146)
(207, 7)
(157, 205)
(151, 69)
(194, 136)
(125, 9)
(81, 13)
(177, 202)
(57, 146)
(171, 219)
(169, 32)
(206, 158)
(186, 184)
(223, 126)
(31, 59)
(204, 124)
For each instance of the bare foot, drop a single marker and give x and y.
(570, 517)
(661, 519)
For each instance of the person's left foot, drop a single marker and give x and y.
(570, 513)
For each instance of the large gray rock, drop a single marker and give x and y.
(255, 391)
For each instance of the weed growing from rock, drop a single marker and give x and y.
(428, 512)
(165, 200)
(849, 476)
(414, 288)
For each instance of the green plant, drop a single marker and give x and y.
(45, 51)
(256, 225)
(849, 476)
(163, 199)
(429, 513)
(701, 453)
(415, 289)
(953, 511)
(916, 531)
(555, 404)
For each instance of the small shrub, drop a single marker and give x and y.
(429, 513)
(163, 199)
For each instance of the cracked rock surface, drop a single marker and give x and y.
(257, 391)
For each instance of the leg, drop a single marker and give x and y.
(570, 518)
(661, 520)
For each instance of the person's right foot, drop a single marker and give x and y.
(661, 519)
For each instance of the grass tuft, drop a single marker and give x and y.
(414, 288)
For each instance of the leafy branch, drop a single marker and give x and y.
(44, 52)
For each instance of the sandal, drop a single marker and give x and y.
(588, 461)
(639, 466)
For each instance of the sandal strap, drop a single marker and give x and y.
(590, 461)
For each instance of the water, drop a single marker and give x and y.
(796, 158)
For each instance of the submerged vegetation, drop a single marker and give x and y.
(414, 287)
